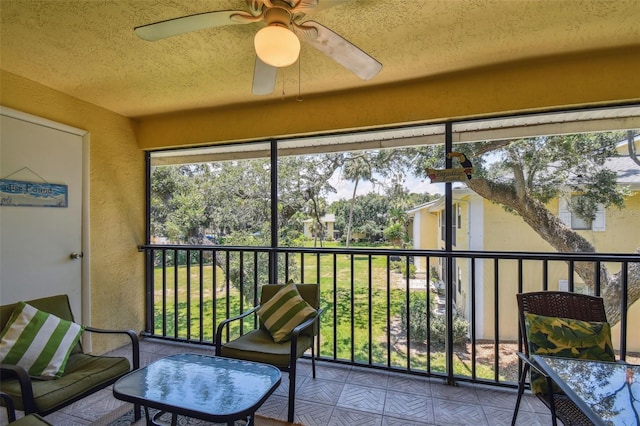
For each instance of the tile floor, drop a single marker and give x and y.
(344, 395)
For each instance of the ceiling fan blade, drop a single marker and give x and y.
(304, 7)
(264, 78)
(199, 21)
(339, 49)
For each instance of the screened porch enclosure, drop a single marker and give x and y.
(426, 288)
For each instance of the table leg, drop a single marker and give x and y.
(148, 416)
(154, 420)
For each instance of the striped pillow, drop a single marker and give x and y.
(38, 341)
(284, 312)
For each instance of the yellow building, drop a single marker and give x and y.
(481, 225)
(327, 221)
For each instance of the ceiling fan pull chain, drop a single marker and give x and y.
(283, 81)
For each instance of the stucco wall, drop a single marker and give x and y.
(116, 202)
(622, 233)
(503, 231)
(539, 84)
(428, 231)
(507, 232)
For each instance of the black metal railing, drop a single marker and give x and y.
(385, 309)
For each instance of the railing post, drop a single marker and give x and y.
(149, 323)
(449, 273)
(149, 254)
(273, 253)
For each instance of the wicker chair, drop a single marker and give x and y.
(564, 305)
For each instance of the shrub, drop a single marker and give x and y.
(434, 274)
(401, 267)
(439, 329)
(418, 314)
(418, 321)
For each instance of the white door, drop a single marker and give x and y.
(41, 247)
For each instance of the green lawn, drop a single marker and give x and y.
(350, 292)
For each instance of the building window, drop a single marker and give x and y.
(576, 222)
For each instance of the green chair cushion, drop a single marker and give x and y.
(31, 420)
(568, 338)
(284, 312)
(38, 341)
(83, 373)
(258, 346)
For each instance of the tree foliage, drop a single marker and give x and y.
(232, 199)
(522, 175)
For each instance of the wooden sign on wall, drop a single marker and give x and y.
(32, 194)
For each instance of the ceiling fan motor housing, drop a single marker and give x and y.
(279, 13)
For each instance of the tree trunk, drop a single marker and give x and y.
(353, 202)
(564, 240)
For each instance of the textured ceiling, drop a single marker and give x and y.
(87, 48)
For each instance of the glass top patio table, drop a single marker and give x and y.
(608, 393)
(209, 388)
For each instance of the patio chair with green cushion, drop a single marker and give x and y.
(43, 329)
(288, 317)
(544, 320)
(28, 420)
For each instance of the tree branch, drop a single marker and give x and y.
(564, 240)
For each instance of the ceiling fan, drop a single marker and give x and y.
(277, 44)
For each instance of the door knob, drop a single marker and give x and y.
(75, 255)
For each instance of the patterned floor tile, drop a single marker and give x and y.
(362, 398)
(450, 412)
(283, 389)
(303, 368)
(463, 393)
(342, 395)
(499, 417)
(406, 384)
(376, 379)
(338, 373)
(533, 403)
(319, 390)
(409, 406)
(94, 406)
(347, 417)
(496, 398)
(58, 418)
(276, 406)
(312, 414)
(398, 421)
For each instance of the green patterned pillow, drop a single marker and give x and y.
(38, 341)
(284, 312)
(567, 338)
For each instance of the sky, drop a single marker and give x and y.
(414, 184)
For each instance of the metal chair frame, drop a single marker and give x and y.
(310, 324)
(563, 305)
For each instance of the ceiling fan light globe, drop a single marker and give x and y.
(277, 46)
